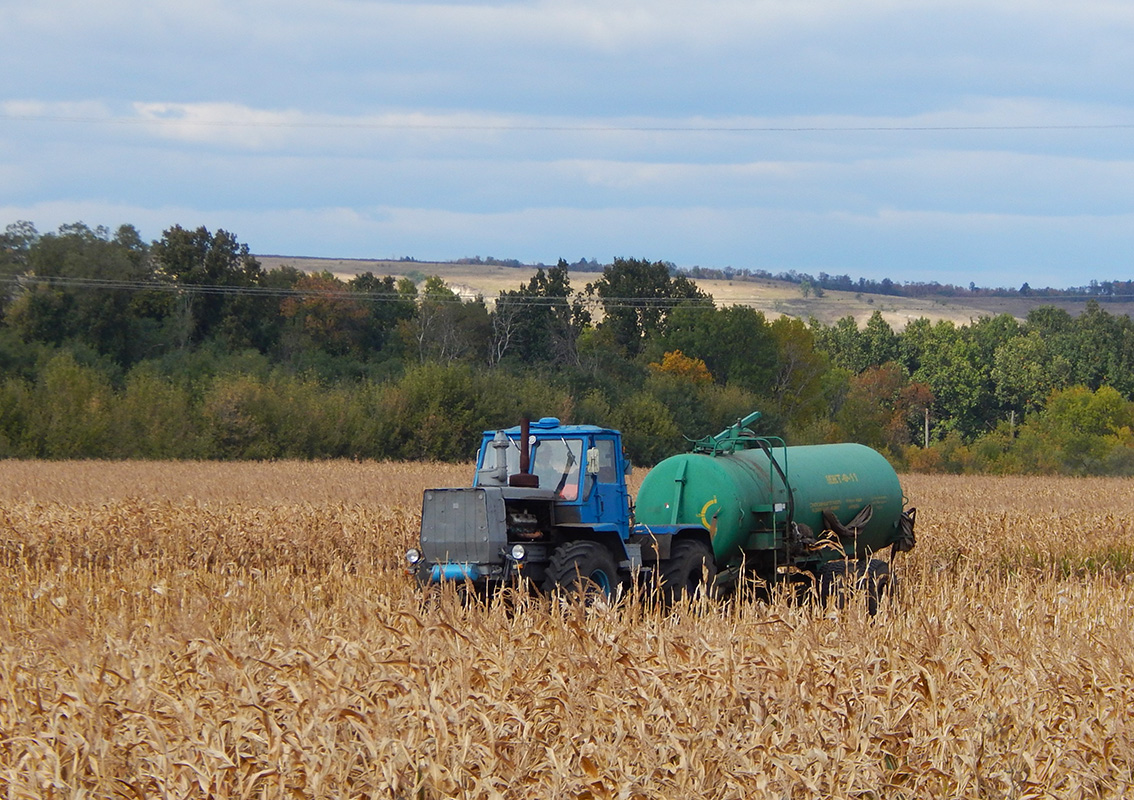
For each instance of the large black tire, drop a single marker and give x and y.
(583, 569)
(841, 580)
(689, 571)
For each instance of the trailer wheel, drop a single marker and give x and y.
(584, 569)
(689, 570)
(839, 580)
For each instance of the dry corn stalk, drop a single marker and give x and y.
(217, 630)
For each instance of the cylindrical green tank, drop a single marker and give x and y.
(742, 497)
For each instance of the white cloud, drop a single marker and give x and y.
(242, 126)
(228, 123)
(536, 129)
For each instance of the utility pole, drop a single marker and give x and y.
(927, 427)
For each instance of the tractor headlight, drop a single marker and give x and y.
(413, 555)
(518, 552)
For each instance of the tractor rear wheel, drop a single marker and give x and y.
(583, 569)
(689, 570)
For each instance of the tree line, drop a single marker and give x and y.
(185, 347)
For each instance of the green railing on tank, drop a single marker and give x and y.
(772, 540)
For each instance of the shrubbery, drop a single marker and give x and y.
(186, 348)
(1077, 432)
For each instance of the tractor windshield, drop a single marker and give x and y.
(557, 462)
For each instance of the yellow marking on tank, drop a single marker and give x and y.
(705, 510)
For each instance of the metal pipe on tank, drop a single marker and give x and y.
(740, 425)
(730, 433)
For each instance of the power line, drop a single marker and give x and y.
(454, 299)
(173, 287)
(334, 294)
(521, 128)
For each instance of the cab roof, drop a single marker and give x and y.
(551, 426)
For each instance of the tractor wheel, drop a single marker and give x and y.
(839, 580)
(583, 569)
(689, 570)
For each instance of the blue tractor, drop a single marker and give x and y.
(549, 502)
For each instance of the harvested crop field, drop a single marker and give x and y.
(247, 631)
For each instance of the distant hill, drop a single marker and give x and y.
(773, 297)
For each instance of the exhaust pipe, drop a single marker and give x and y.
(525, 450)
(524, 478)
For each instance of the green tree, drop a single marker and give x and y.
(1025, 372)
(649, 432)
(538, 323)
(880, 341)
(735, 342)
(986, 335)
(153, 418)
(856, 349)
(799, 392)
(235, 421)
(445, 329)
(843, 342)
(218, 277)
(15, 243)
(307, 419)
(16, 405)
(603, 364)
(1080, 428)
(698, 406)
(438, 410)
(71, 411)
(1103, 348)
(946, 359)
(1049, 322)
(389, 303)
(637, 297)
(81, 284)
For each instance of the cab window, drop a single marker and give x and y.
(556, 462)
(607, 469)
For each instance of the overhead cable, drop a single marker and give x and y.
(336, 294)
(524, 128)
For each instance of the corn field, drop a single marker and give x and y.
(248, 631)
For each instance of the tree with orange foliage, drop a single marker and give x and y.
(326, 313)
(679, 365)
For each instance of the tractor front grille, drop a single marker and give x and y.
(457, 528)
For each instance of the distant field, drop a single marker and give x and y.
(247, 630)
(774, 298)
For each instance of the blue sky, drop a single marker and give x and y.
(988, 142)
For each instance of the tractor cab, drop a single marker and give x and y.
(581, 467)
(543, 493)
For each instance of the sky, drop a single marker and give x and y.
(987, 142)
